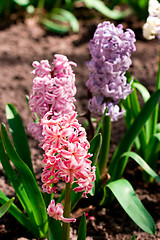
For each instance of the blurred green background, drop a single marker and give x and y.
(61, 16)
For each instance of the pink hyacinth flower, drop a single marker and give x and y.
(41, 69)
(56, 212)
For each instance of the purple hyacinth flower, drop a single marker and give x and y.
(110, 49)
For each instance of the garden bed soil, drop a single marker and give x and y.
(20, 45)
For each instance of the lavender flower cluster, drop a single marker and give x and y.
(111, 50)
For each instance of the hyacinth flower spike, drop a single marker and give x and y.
(60, 135)
(66, 158)
(110, 49)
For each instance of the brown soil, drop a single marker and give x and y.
(20, 45)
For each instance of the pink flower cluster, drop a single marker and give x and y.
(56, 211)
(56, 127)
(66, 154)
(53, 90)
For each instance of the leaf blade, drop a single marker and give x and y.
(132, 205)
(116, 168)
(16, 212)
(143, 164)
(5, 207)
(18, 134)
(82, 228)
(28, 180)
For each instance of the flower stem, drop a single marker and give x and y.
(67, 212)
(155, 114)
(106, 134)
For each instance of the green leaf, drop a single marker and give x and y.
(127, 198)
(82, 228)
(143, 91)
(55, 229)
(106, 135)
(101, 122)
(15, 181)
(153, 148)
(102, 8)
(133, 237)
(16, 212)
(54, 27)
(143, 164)
(29, 182)
(135, 109)
(4, 208)
(68, 17)
(95, 147)
(152, 155)
(145, 95)
(18, 135)
(75, 197)
(117, 166)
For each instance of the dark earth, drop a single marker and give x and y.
(25, 41)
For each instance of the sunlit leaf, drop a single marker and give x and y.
(54, 27)
(68, 17)
(143, 164)
(102, 8)
(127, 198)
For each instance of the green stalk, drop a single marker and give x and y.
(41, 4)
(106, 135)
(155, 113)
(67, 212)
(153, 158)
